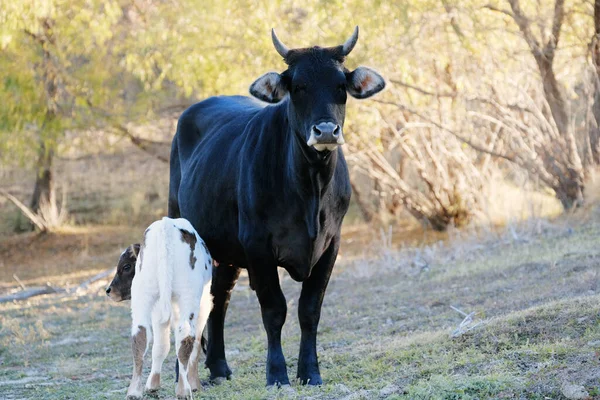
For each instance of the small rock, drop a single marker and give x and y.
(594, 343)
(582, 319)
(342, 388)
(573, 392)
(389, 390)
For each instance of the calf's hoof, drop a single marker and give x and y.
(194, 381)
(153, 383)
(135, 392)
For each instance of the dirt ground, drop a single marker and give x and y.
(386, 331)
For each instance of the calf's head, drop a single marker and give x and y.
(317, 83)
(120, 287)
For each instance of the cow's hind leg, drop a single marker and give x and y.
(309, 313)
(160, 349)
(274, 309)
(224, 279)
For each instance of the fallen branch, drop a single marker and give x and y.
(38, 291)
(26, 294)
(16, 278)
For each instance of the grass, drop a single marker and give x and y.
(384, 333)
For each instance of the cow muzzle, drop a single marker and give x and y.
(326, 136)
(114, 294)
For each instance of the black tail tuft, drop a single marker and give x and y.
(176, 370)
(204, 341)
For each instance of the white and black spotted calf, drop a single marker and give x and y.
(168, 280)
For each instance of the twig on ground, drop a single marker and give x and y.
(16, 278)
(467, 323)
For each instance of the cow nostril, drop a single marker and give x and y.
(336, 131)
(317, 131)
(108, 291)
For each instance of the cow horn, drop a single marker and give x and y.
(350, 43)
(280, 47)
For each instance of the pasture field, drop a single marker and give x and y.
(385, 333)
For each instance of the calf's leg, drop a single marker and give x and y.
(224, 279)
(309, 313)
(141, 335)
(184, 340)
(160, 349)
(206, 304)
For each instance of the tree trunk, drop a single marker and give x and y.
(43, 192)
(364, 208)
(553, 94)
(594, 133)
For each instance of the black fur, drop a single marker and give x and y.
(260, 197)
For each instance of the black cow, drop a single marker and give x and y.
(268, 186)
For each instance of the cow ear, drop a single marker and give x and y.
(269, 88)
(135, 249)
(364, 82)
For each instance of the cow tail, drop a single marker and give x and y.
(165, 271)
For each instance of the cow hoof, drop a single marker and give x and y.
(285, 387)
(313, 380)
(219, 369)
(274, 382)
(217, 380)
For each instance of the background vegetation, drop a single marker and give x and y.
(481, 96)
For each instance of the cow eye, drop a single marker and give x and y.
(126, 267)
(300, 89)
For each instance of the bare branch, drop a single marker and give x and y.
(140, 143)
(524, 26)
(421, 90)
(499, 10)
(557, 21)
(25, 210)
(459, 137)
(455, 26)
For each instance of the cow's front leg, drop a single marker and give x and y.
(309, 313)
(224, 279)
(274, 309)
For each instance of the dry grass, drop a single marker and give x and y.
(385, 331)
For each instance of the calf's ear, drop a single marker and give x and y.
(364, 82)
(135, 249)
(269, 88)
